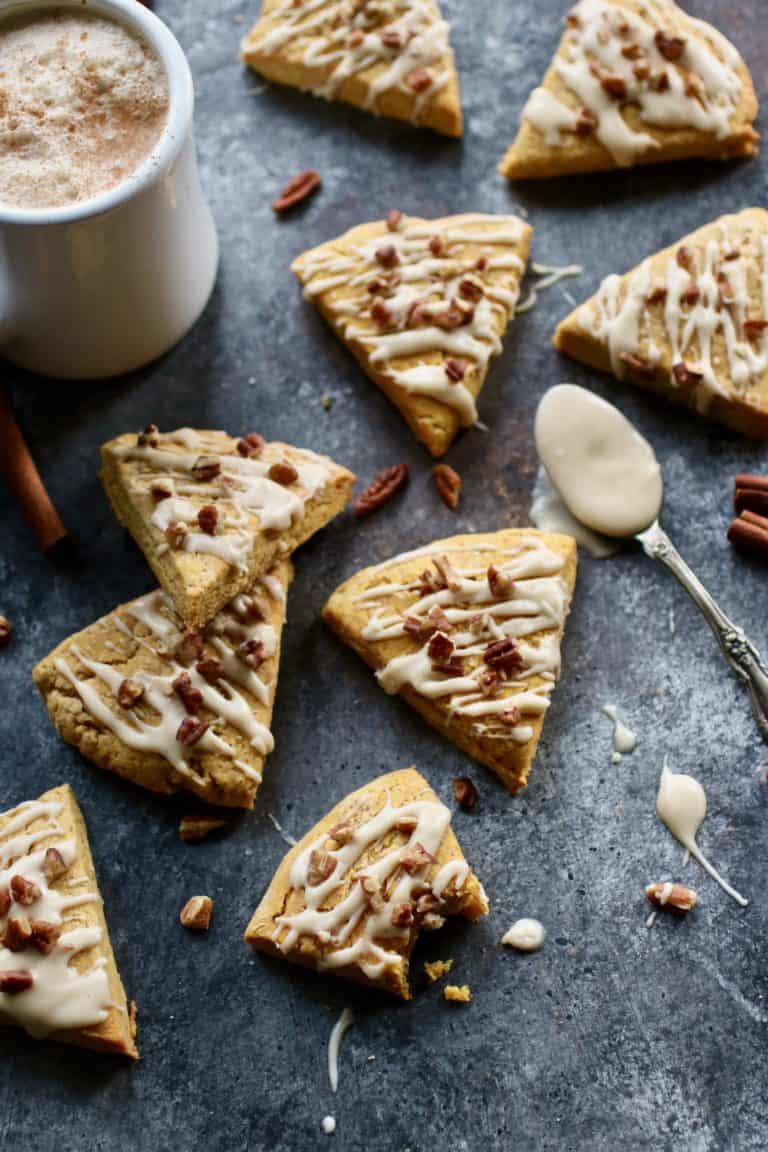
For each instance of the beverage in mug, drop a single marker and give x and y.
(83, 102)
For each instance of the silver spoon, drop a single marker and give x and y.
(608, 478)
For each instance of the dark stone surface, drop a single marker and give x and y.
(612, 1036)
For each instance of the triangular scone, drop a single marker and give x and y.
(468, 631)
(353, 895)
(58, 976)
(170, 709)
(211, 513)
(423, 305)
(690, 323)
(635, 82)
(393, 59)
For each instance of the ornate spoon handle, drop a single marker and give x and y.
(741, 654)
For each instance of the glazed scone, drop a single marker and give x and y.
(169, 709)
(211, 513)
(352, 896)
(423, 305)
(690, 323)
(635, 82)
(58, 976)
(392, 58)
(468, 631)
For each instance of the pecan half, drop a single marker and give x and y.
(465, 793)
(23, 891)
(382, 489)
(504, 656)
(638, 364)
(670, 47)
(191, 698)
(6, 631)
(420, 79)
(45, 936)
(415, 858)
(206, 468)
(678, 897)
(321, 866)
(54, 865)
(18, 933)
(283, 473)
(190, 731)
(210, 668)
(251, 444)
(448, 484)
(296, 190)
(130, 693)
(684, 376)
(13, 981)
(193, 829)
(196, 913)
(208, 519)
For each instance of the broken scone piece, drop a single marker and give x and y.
(390, 57)
(468, 631)
(353, 895)
(635, 82)
(58, 976)
(211, 513)
(423, 305)
(171, 709)
(690, 323)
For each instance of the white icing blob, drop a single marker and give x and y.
(329, 1125)
(681, 804)
(344, 1022)
(624, 739)
(525, 935)
(605, 472)
(550, 514)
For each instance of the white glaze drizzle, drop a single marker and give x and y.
(701, 316)
(701, 91)
(419, 823)
(624, 739)
(547, 276)
(477, 618)
(525, 935)
(60, 996)
(681, 804)
(152, 727)
(426, 284)
(246, 499)
(400, 38)
(339, 1030)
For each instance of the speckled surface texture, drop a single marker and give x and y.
(612, 1036)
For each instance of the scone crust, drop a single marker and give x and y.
(116, 1034)
(433, 422)
(401, 787)
(510, 761)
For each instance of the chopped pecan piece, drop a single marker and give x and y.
(252, 444)
(448, 484)
(5, 902)
(449, 318)
(190, 731)
(15, 980)
(684, 376)
(613, 86)
(196, 913)
(387, 256)
(160, 491)
(382, 313)
(431, 922)
(18, 933)
(420, 79)
(452, 667)
(394, 219)
(753, 329)
(725, 289)
(24, 891)
(406, 823)
(481, 263)
(252, 653)
(489, 682)
(191, 698)
(130, 693)
(297, 190)
(638, 364)
(455, 369)
(448, 575)
(465, 793)
(321, 866)
(382, 489)
(208, 519)
(586, 122)
(206, 468)
(659, 81)
(691, 294)
(500, 582)
(342, 833)
(436, 245)
(176, 534)
(471, 289)
(511, 716)
(391, 38)
(189, 647)
(148, 438)
(193, 829)
(210, 668)
(355, 39)
(632, 51)
(45, 936)
(670, 47)
(641, 70)
(440, 648)
(403, 915)
(373, 894)
(683, 256)
(54, 865)
(283, 473)
(415, 858)
(6, 631)
(656, 294)
(504, 656)
(678, 897)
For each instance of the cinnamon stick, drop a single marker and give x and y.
(23, 479)
(749, 533)
(751, 492)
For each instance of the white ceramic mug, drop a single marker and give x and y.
(105, 285)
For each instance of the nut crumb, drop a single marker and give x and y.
(327, 401)
(677, 897)
(465, 792)
(437, 969)
(457, 993)
(6, 631)
(193, 829)
(196, 913)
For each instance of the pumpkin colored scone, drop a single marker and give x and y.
(423, 305)
(140, 695)
(58, 977)
(635, 82)
(468, 631)
(212, 513)
(690, 323)
(355, 892)
(390, 57)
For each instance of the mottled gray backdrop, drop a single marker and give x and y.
(613, 1037)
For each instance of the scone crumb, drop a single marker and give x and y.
(133, 1011)
(193, 829)
(457, 993)
(437, 969)
(6, 631)
(196, 913)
